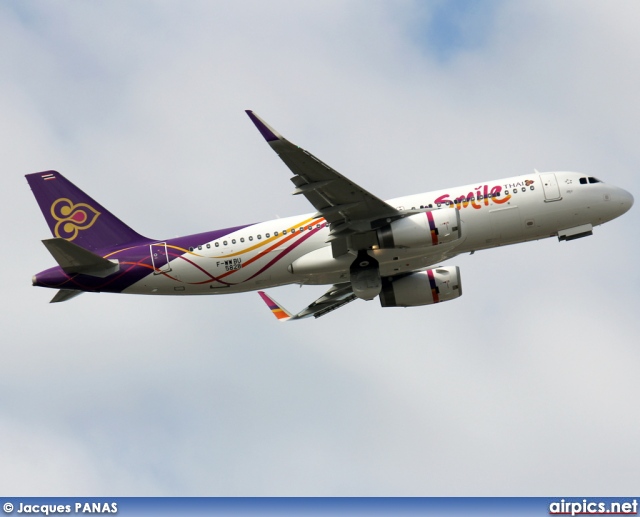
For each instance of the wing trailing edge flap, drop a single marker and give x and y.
(348, 208)
(75, 260)
(337, 296)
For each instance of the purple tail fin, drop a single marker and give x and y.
(74, 216)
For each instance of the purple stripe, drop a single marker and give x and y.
(270, 303)
(432, 283)
(285, 252)
(213, 278)
(432, 226)
(268, 135)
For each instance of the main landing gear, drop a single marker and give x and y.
(365, 276)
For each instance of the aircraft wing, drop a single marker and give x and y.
(347, 207)
(337, 296)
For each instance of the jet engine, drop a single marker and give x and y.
(422, 230)
(422, 288)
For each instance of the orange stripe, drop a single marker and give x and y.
(270, 239)
(279, 313)
(261, 254)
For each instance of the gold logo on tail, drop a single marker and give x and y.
(72, 218)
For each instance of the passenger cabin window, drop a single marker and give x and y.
(275, 234)
(217, 244)
(251, 237)
(259, 236)
(241, 239)
(267, 235)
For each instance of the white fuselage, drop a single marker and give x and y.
(295, 249)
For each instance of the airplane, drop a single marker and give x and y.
(360, 245)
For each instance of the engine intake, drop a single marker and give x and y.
(422, 288)
(422, 230)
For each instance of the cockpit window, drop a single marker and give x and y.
(583, 181)
(594, 180)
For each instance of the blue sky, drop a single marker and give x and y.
(449, 27)
(523, 386)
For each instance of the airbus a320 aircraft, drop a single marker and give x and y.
(362, 246)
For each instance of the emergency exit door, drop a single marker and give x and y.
(160, 258)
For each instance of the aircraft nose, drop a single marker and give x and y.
(626, 200)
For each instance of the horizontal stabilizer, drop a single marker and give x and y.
(75, 260)
(65, 294)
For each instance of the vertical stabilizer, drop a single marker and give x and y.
(74, 216)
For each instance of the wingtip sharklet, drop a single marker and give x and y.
(269, 134)
(278, 311)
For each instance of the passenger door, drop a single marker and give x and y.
(550, 187)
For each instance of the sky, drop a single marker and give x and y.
(527, 385)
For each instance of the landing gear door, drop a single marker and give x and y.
(160, 258)
(550, 187)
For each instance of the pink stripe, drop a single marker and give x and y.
(432, 227)
(432, 283)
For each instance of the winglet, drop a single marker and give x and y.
(269, 134)
(278, 311)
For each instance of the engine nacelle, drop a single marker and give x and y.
(422, 288)
(422, 230)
